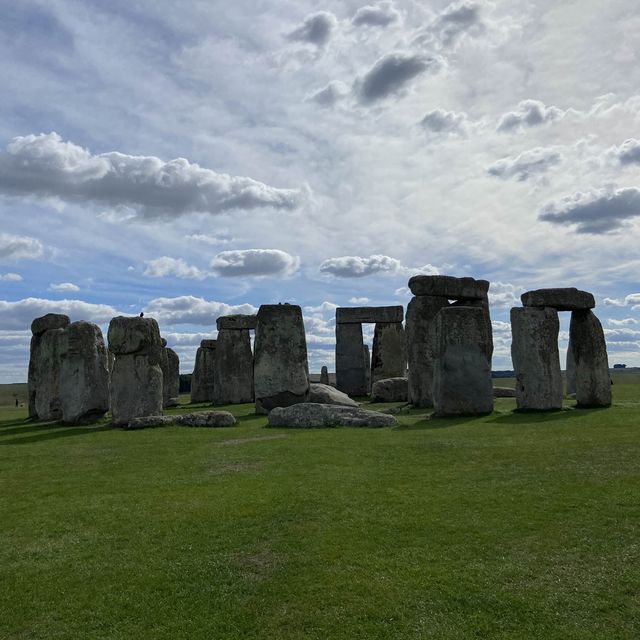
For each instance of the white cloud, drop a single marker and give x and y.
(315, 29)
(64, 287)
(627, 153)
(381, 14)
(45, 166)
(529, 113)
(527, 164)
(624, 322)
(10, 277)
(633, 300)
(504, 294)
(323, 308)
(255, 262)
(213, 240)
(359, 267)
(362, 300)
(441, 122)
(176, 267)
(192, 310)
(19, 247)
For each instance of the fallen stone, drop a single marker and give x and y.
(309, 415)
(237, 321)
(349, 315)
(449, 287)
(149, 422)
(561, 299)
(49, 321)
(233, 379)
(504, 392)
(350, 363)
(389, 357)
(324, 394)
(593, 382)
(281, 371)
(389, 390)
(536, 362)
(462, 372)
(195, 419)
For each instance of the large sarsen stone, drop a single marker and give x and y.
(309, 415)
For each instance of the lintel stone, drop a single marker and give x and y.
(560, 299)
(354, 315)
(449, 287)
(237, 321)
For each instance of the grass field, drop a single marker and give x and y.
(507, 526)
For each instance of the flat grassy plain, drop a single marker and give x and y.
(506, 526)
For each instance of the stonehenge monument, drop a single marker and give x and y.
(389, 350)
(68, 376)
(233, 379)
(535, 350)
(431, 295)
(170, 365)
(204, 372)
(281, 371)
(136, 377)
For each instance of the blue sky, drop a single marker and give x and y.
(194, 159)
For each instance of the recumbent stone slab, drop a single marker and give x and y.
(281, 370)
(561, 299)
(449, 287)
(310, 415)
(369, 314)
(325, 394)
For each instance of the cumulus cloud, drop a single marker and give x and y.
(255, 262)
(529, 113)
(441, 122)
(359, 300)
(623, 336)
(527, 164)
(624, 322)
(632, 300)
(359, 267)
(64, 287)
(315, 29)
(627, 153)
(10, 277)
(329, 95)
(213, 240)
(19, 247)
(381, 14)
(598, 211)
(165, 267)
(392, 73)
(451, 24)
(20, 313)
(324, 307)
(504, 294)
(145, 186)
(192, 310)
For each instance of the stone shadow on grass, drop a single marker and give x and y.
(431, 422)
(537, 417)
(50, 431)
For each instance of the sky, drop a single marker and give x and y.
(200, 158)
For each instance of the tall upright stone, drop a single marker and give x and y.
(281, 370)
(324, 375)
(170, 364)
(420, 333)
(44, 367)
(84, 374)
(593, 383)
(570, 373)
(389, 358)
(536, 361)
(203, 378)
(136, 377)
(350, 364)
(367, 367)
(233, 379)
(462, 371)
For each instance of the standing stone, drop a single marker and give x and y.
(233, 380)
(536, 361)
(324, 376)
(42, 380)
(84, 374)
(462, 372)
(570, 373)
(389, 359)
(367, 367)
(593, 383)
(281, 371)
(480, 303)
(136, 378)
(170, 365)
(203, 377)
(421, 347)
(350, 365)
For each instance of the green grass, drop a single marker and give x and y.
(506, 526)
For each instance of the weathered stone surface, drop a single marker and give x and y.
(203, 377)
(195, 419)
(367, 368)
(44, 375)
(233, 379)
(504, 392)
(462, 372)
(83, 384)
(561, 299)
(421, 347)
(389, 359)
(593, 382)
(389, 390)
(237, 321)
(484, 305)
(309, 415)
(324, 394)
(534, 352)
(136, 376)
(134, 335)
(359, 315)
(449, 287)
(281, 371)
(350, 363)
(49, 321)
(170, 365)
(570, 373)
(324, 375)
